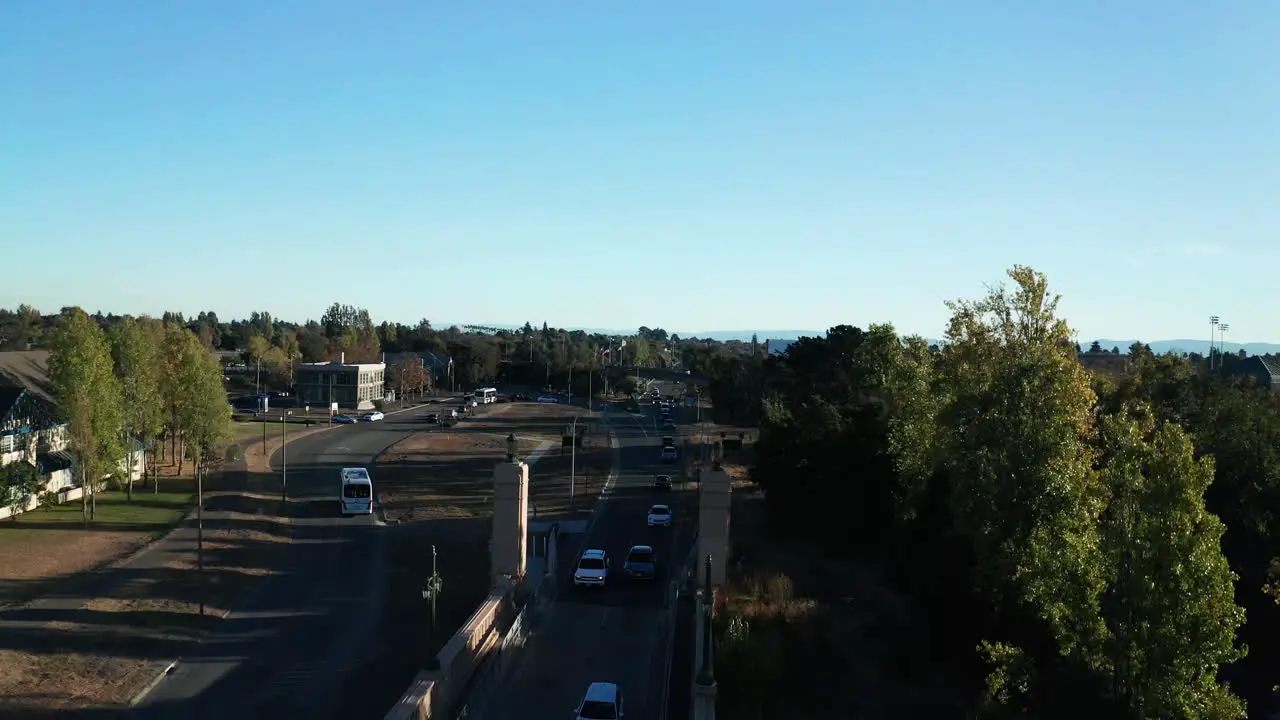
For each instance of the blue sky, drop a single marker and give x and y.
(695, 166)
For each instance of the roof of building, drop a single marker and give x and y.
(27, 369)
(339, 366)
(1271, 366)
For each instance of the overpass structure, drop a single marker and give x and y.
(534, 644)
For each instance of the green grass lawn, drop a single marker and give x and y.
(148, 512)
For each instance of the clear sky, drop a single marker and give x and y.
(706, 165)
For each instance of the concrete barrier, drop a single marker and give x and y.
(434, 693)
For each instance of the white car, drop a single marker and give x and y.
(659, 516)
(602, 701)
(592, 570)
(374, 416)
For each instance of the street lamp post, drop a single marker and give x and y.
(573, 462)
(284, 456)
(431, 593)
(511, 448)
(706, 673)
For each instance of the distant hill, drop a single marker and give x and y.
(745, 335)
(1157, 346)
(1201, 347)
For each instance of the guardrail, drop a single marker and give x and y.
(434, 693)
(476, 659)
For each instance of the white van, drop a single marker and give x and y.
(355, 497)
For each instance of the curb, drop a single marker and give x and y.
(138, 696)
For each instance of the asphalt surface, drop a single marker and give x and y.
(284, 651)
(616, 633)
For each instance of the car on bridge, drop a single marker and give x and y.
(602, 701)
(592, 570)
(659, 516)
(639, 564)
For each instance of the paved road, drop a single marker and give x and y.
(283, 653)
(615, 634)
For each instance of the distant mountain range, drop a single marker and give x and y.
(1201, 347)
(1157, 346)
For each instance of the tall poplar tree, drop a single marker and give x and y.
(137, 365)
(88, 394)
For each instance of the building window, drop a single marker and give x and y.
(8, 443)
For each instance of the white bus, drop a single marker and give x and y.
(355, 497)
(484, 396)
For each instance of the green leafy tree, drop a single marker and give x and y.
(174, 394)
(1170, 607)
(20, 483)
(136, 352)
(205, 412)
(1015, 434)
(83, 375)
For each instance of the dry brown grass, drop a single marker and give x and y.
(51, 553)
(258, 459)
(65, 681)
(435, 475)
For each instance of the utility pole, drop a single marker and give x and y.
(1222, 343)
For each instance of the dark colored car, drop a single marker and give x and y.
(662, 482)
(433, 419)
(640, 563)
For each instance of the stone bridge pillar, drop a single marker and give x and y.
(509, 543)
(714, 490)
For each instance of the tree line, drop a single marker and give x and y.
(140, 382)
(534, 356)
(1077, 544)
